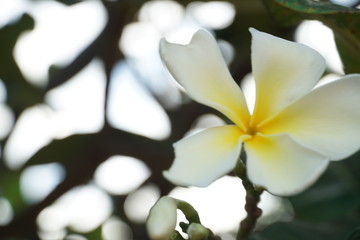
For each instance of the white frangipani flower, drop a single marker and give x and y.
(293, 132)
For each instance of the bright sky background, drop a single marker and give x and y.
(60, 34)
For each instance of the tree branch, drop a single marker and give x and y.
(252, 198)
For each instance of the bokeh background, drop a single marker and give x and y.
(88, 116)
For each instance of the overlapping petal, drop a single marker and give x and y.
(327, 119)
(282, 165)
(204, 157)
(200, 68)
(283, 71)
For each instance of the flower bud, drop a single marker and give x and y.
(162, 219)
(197, 231)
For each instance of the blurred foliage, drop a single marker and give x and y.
(327, 210)
(354, 235)
(299, 230)
(337, 190)
(26, 94)
(344, 21)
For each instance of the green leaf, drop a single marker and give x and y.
(330, 198)
(298, 230)
(354, 235)
(350, 169)
(314, 7)
(282, 15)
(344, 21)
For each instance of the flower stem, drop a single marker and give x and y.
(176, 236)
(189, 211)
(251, 205)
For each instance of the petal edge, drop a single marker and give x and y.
(200, 68)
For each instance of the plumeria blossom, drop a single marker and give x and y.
(294, 130)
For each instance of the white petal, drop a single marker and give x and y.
(200, 68)
(282, 165)
(327, 119)
(162, 219)
(204, 157)
(283, 71)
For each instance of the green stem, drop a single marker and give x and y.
(193, 217)
(213, 237)
(176, 236)
(252, 199)
(189, 211)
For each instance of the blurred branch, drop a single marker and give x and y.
(252, 200)
(105, 46)
(21, 94)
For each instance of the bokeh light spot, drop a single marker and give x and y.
(79, 103)
(248, 88)
(3, 93)
(164, 14)
(7, 120)
(11, 10)
(321, 38)
(133, 109)
(83, 209)
(36, 182)
(52, 220)
(6, 211)
(214, 14)
(114, 228)
(139, 203)
(52, 235)
(88, 207)
(32, 131)
(121, 174)
(139, 39)
(60, 34)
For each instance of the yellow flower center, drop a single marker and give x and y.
(252, 130)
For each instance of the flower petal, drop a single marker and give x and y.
(282, 165)
(204, 157)
(327, 119)
(283, 71)
(200, 68)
